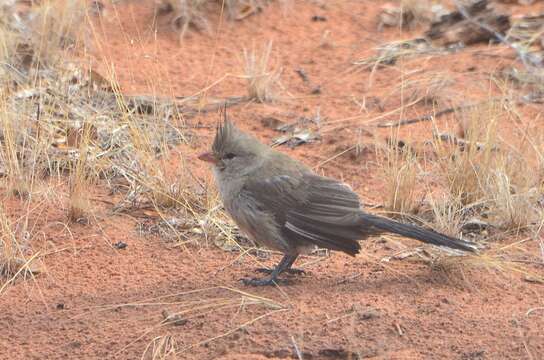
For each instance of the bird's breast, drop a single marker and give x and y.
(260, 226)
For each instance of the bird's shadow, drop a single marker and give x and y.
(384, 282)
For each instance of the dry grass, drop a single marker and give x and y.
(15, 243)
(513, 206)
(400, 170)
(416, 12)
(240, 9)
(17, 180)
(421, 88)
(47, 106)
(56, 25)
(447, 215)
(263, 83)
(32, 45)
(161, 348)
(128, 149)
(11, 258)
(42, 34)
(52, 100)
(178, 308)
(185, 14)
(79, 181)
(478, 178)
(491, 174)
(466, 167)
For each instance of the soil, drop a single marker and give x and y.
(94, 301)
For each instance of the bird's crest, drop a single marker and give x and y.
(225, 132)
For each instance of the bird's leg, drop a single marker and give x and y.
(283, 265)
(287, 268)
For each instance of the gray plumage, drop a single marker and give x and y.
(282, 204)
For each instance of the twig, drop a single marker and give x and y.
(439, 113)
(334, 157)
(399, 329)
(530, 311)
(426, 117)
(351, 313)
(66, 248)
(23, 267)
(297, 350)
(148, 104)
(349, 278)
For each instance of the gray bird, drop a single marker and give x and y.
(283, 205)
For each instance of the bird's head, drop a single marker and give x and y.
(233, 151)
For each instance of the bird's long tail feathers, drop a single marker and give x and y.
(415, 232)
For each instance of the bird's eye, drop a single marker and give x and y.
(229, 156)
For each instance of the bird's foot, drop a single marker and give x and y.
(291, 271)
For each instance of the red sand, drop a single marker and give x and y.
(344, 308)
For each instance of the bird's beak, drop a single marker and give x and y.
(208, 157)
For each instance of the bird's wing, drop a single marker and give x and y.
(310, 209)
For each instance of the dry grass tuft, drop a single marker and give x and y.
(41, 34)
(512, 207)
(400, 169)
(447, 215)
(10, 251)
(14, 239)
(465, 167)
(18, 183)
(185, 14)
(480, 183)
(490, 177)
(430, 89)
(79, 205)
(263, 83)
(47, 100)
(161, 348)
(56, 25)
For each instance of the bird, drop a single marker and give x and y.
(281, 204)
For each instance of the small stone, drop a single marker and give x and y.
(120, 245)
(316, 90)
(319, 18)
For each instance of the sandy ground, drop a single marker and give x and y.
(343, 308)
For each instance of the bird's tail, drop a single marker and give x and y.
(415, 232)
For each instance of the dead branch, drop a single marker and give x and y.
(187, 106)
(442, 112)
(426, 117)
(529, 61)
(465, 25)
